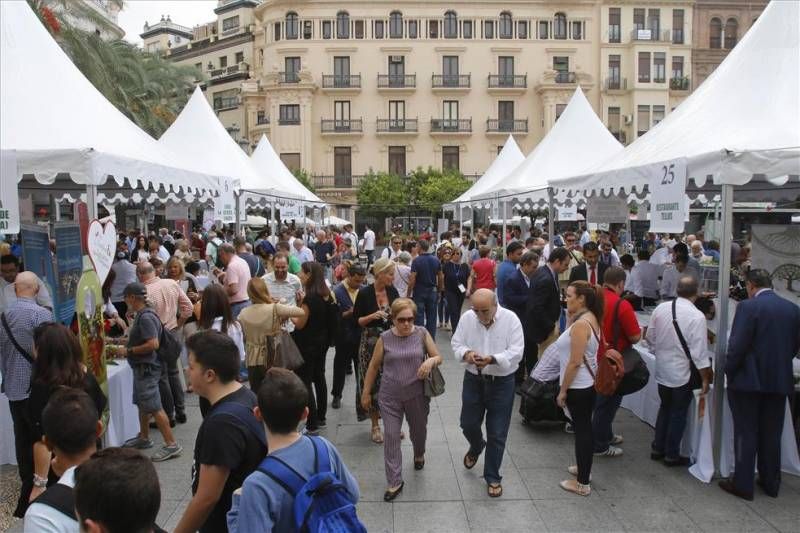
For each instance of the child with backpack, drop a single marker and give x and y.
(296, 464)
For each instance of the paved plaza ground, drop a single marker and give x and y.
(629, 493)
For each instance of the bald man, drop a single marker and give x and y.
(9, 268)
(16, 362)
(489, 341)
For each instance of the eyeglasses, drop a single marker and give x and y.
(482, 311)
(404, 319)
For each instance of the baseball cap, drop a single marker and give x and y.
(135, 289)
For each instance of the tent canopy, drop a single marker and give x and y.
(60, 126)
(740, 125)
(268, 162)
(577, 142)
(506, 161)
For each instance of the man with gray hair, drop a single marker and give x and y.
(489, 341)
(212, 248)
(324, 251)
(235, 278)
(16, 363)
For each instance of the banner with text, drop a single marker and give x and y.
(292, 212)
(176, 211)
(224, 204)
(37, 257)
(9, 194)
(69, 268)
(568, 212)
(667, 196)
(601, 210)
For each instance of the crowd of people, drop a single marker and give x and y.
(246, 323)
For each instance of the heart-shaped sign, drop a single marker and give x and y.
(102, 244)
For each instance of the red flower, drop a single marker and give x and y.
(50, 20)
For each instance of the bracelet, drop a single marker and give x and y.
(39, 481)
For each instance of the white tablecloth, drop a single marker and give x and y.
(123, 423)
(697, 441)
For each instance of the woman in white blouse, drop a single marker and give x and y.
(215, 313)
(402, 273)
(577, 353)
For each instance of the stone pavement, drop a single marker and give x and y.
(629, 493)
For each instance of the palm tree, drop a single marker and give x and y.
(145, 87)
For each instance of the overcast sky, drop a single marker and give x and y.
(183, 12)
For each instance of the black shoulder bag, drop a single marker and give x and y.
(695, 381)
(636, 373)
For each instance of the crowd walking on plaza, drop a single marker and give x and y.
(247, 321)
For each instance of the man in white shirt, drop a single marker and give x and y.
(9, 268)
(673, 273)
(369, 245)
(673, 367)
(490, 341)
(302, 252)
(349, 233)
(282, 285)
(393, 250)
(156, 248)
(71, 426)
(644, 280)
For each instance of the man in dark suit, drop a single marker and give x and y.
(515, 297)
(543, 309)
(591, 269)
(764, 339)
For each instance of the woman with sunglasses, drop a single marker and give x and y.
(407, 354)
(456, 277)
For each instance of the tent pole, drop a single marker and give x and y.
(460, 221)
(91, 201)
(505, 216)
(238, 225)
(272, 218)
(551, 226)
(726, 229)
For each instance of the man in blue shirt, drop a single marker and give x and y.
(424, 283)
(261, 504)
(508, 267)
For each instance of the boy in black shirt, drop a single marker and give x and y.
(230, 443)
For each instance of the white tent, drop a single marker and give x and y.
(507, 160)
(741, 125)
(198, 134)
(269, 163)
(55, 123)
(577, 142)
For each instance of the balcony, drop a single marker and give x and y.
(261, 125)
(226, 73)
(563, 76)
(677, 36)
(337, 182)
(502, 125)
(397, 82)
(342, 127)
(614, 34)
(289, 77)
(649, 35)
(507, 83)
(451, 126)
(396, 126)
(615, 84)
(680, 84)
(341, 83)
(449, 82)
(222, 104)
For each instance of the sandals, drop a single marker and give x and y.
(571, 485)
(377, 437)
(470, 461)
(495, 490)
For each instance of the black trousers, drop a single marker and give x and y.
(530, 354)
(169, 387)
(346, 351)
(313, 375)
(757, 429)
(455, 300)
(580, 403)
(23, 446)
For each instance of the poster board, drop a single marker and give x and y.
(776, 249)
(224, 203)
(69, 266)
(600, 210)
(37, 257)
(176, 211)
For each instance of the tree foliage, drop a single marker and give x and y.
(381, 194)
(439, 188)
(148, 89)
(303, 177)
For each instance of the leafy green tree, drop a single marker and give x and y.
(441, 188)
(148, 89)
(381, 195)
(303, 177)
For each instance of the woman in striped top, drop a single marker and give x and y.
(407, 354)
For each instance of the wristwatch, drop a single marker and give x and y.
(39, 481)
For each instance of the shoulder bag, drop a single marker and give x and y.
(636, 373)
(434, 383)
(284, 351)
(19, 348)
(695, 381)
(169, 347)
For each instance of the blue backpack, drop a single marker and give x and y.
(321, 503)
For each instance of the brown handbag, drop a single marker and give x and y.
(282, 351)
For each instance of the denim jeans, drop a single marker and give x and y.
(237, 307)
(671, 419)
(442, 313)
(426, 298)
(605, 408)
(493, 397)
(454, 302)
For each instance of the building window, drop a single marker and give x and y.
(377, 31)
(292, 25)
(226, 99)
(326, 29)
(561, 66)
(731, 33)
(450, 113)
(544, 27)
(450, 70)
(291, 160)
(397, 113)
(506, 29)
(412, 29)
(560, 110)
(276, 30)
(614, 72)
(577, 30)
(614, 25)
(397, 71)
(505, 66)
(289, 114)
(450, 156)
(341, 113)
(658, 114)
(292, 69)
(450, 29)
(654, 23)
(560, 26)
(358, 29)
(342, 25)
(341, 69)
(466, 29)
(230, 23)
(396, 25)
(659, 67)
(677, 67)
(677, 26)
(223, 61)
(153, 48)
(308, 29)
(614, 124)
(644, 67)
(522, 29)
(342, 160)
(397, 160)
(239, 58)
(433, 29)
(638, 19)
(505, 115)
(642, 120)
(488, 29)
(715, 33)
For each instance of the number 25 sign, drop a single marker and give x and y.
(667, 192)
